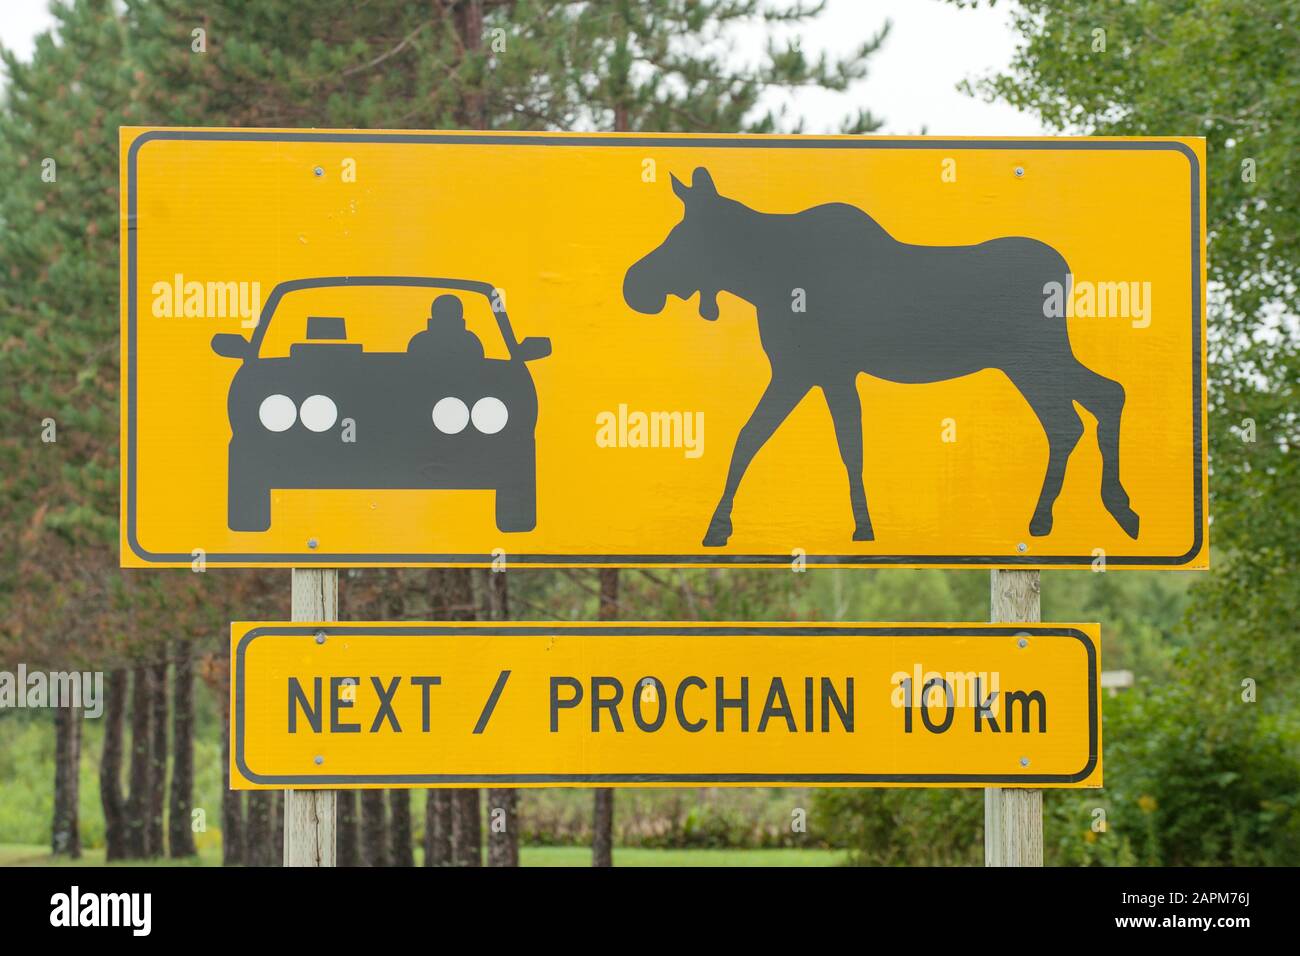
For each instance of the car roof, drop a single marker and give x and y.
(429, 282)
(485, 289)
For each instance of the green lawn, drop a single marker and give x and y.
(25, 855)
(636, 856)
(18, 854)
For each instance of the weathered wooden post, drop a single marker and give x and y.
(309, 837)
(1013, 818)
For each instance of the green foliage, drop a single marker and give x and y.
(26, 770)
(888, 827)
(1202, 778)
(27, 775)
(663, 66)
(1191, 779)
(674, 818)
(1140, 611)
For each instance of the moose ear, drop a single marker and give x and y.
(703, 182)
(681, 189)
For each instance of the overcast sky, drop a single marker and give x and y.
(912, 83)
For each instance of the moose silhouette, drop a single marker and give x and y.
(900, 312)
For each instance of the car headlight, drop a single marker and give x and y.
(277, 413)
(319, 413)
(489, 415)
(450, 416)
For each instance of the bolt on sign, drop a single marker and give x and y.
(384, 348)
(356, 705)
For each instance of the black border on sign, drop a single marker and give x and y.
(641, 630)
(310, 558)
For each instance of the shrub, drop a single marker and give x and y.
(1190, 781)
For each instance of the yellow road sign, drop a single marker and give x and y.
(351, 348)
(354, 705)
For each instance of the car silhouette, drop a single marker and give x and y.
(439, 415)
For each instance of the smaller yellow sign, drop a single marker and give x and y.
(357, 705)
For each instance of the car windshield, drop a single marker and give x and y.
(384, 319)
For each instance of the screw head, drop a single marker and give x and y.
(319, 760)
(1020, 171)
(1020, 643)
(320, 172)
(1022, 547)
(1024, 761)
(311, 543)
(320, 637)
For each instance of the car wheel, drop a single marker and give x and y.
(517, 506)
(248, 507)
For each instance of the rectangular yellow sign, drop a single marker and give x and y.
(357, 705)
(349, 348)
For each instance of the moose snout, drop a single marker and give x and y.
(640, 291)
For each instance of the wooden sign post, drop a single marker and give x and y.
(309, 819)
(1013, 819)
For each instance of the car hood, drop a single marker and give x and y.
(393, 385)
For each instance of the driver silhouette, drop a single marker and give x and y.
(446, 336)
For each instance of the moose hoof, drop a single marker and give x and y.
(1041, 525)
(863, 532)
(1127, 519)
(718, 533)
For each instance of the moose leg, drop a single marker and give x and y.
(846, 412)
(773, 408)
(1105, 399)
(1063, 428)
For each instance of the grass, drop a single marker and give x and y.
(20, 854)
(17, 854)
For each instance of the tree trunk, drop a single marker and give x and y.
(602, 828)
(451, 598)
(466, 828)
(110, 768)
(602, 823)
(503, 831)
(438, 810)
(437, 829)
(374, 828)
(66, 830)
(137, 799)
(261, 848)
(468, 20)
(277, 831)
(158, 717)
(399, 814)
(180, 832)
(232, 801)
(466, 823)
(503, 803)
(345, 822)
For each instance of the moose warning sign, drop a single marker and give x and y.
(379, 348)
(559, 704)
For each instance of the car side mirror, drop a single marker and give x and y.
(230, 345)
(533, 347)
